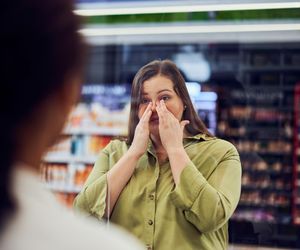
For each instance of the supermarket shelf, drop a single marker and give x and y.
(110, 131)
(269, 206)
(63, 188)
(276, 68)
(267, 172)
(260, 123)
(279, 154)
(279, 220)
(63, 158)
(250, 121)
(286, 192)
(249, 137)
(270, 87)
(267, 105)
(273, 174)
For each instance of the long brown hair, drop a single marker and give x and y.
(168, 69)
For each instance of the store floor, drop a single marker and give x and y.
(248, 247)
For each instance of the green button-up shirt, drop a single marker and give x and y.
(192, 215)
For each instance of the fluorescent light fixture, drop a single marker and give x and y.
(129, 8)
(188, 29)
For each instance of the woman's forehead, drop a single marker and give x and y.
(157, 84)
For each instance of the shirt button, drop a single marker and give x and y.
(151, 196)
(150, 222)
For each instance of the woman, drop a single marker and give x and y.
(172, 184)
(42, 59)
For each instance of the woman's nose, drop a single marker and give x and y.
(153, 108)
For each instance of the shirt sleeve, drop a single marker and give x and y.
(92, 198)
(209, 203)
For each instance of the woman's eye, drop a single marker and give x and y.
(145, 101)
(165, 98)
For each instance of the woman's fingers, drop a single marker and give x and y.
(160, 113)
(147, 114)
(165, 115)
(163, 107)
(164, 112)
(184, 123)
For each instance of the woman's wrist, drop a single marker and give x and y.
(178, 155)
(178, 160)
(175, 151)
(134, 153)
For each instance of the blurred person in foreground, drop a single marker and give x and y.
(42, 59)
(172, 184)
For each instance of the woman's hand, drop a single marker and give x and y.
(170, 129)
(141, 134)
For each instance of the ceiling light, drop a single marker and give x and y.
(130, 8)
(189, 29)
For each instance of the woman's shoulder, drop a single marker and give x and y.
(217, 144)
(116, 145)
(223, 143)
(224, 148)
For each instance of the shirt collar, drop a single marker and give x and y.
(186, 141)
(150, 148)
(200, 137)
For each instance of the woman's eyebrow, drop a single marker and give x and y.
(164, 90)
(168, 90)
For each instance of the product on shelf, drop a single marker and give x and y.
(63, 147)
(82, 174)
(65, 177)
(88, 117)
(88, 145)
(80, 115)
(66, 199)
